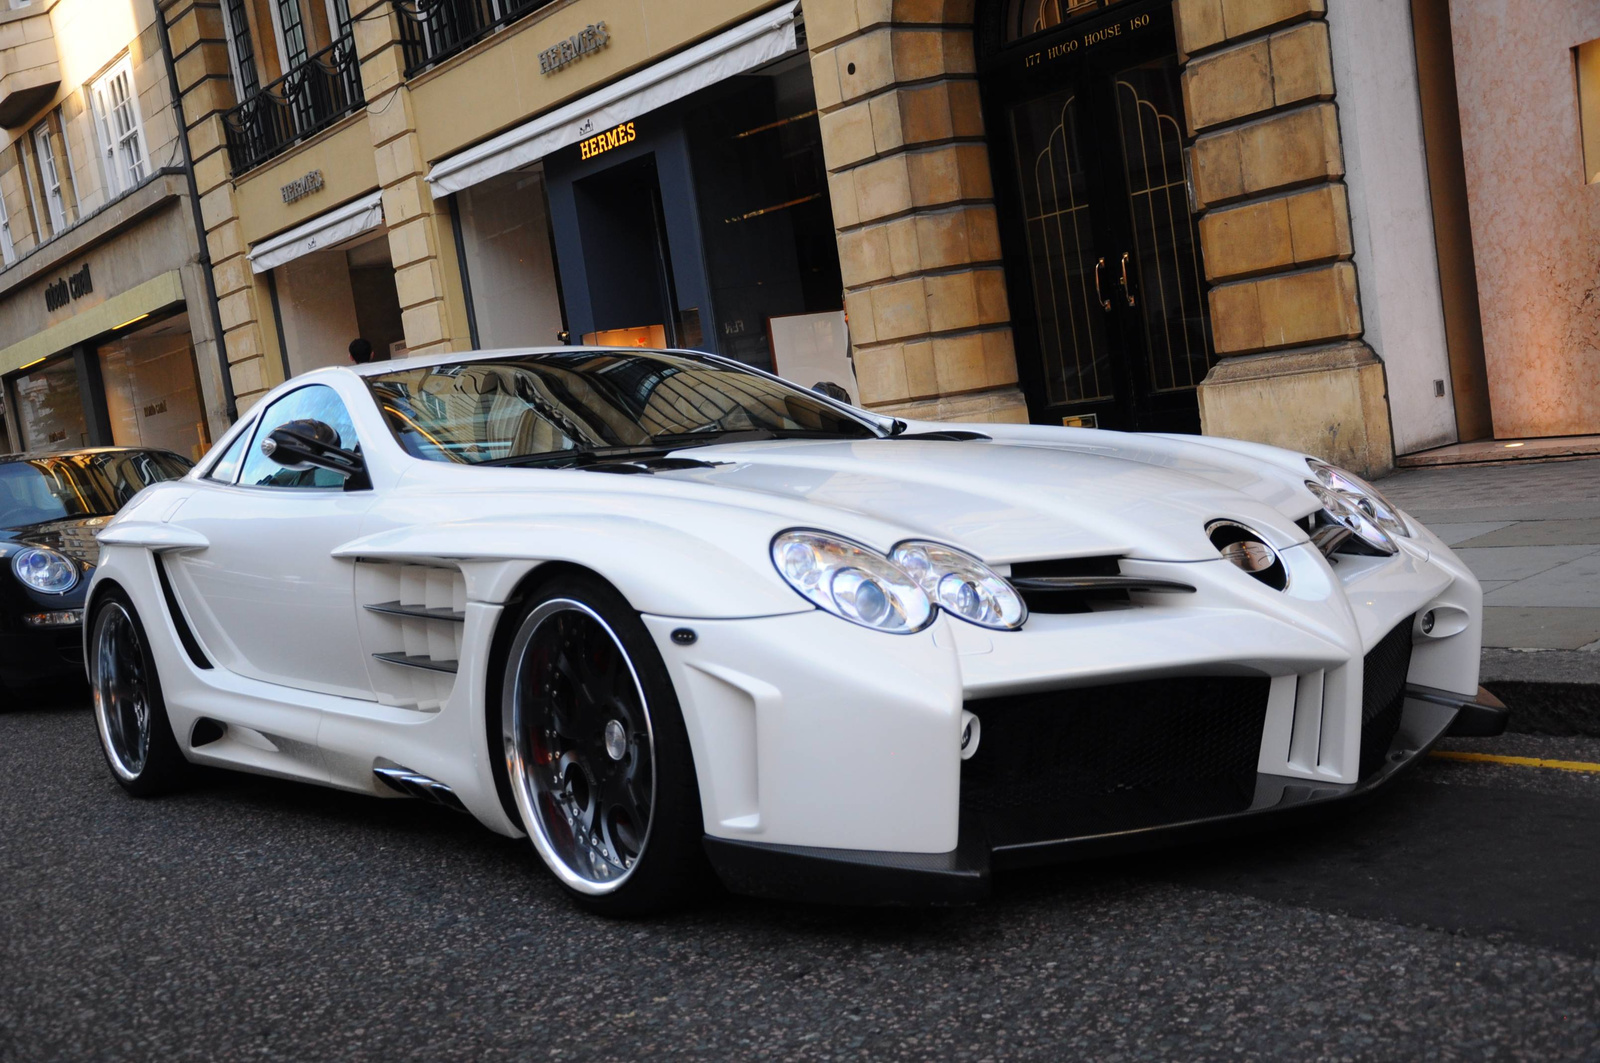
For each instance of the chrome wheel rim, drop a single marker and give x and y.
(121, 691)
(572, 689)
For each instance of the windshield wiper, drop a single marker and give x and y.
(577, 455)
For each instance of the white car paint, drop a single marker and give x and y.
(806, 729)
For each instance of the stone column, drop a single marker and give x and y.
(1267, 169)
(421, 233)
(205, 84)
(919, 245)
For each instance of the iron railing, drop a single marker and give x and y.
(305, 101)
(434, 30)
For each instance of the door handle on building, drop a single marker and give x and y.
(1127, 292)
(1105, 304)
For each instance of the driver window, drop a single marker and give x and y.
(318, 402)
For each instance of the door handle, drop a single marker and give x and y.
(1105, 304)
(1127, 292)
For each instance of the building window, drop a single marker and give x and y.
(241, 48)
(8, 247)
(291, 32)
(45, 147)
(1588, 56)
(119, 127)
(50, 407)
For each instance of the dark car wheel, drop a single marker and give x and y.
(129, 712)
(597, 754)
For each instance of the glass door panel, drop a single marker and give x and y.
(1165, 284)
(1062, 250)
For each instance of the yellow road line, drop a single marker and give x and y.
(1521, 762)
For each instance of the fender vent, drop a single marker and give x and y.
(191, 645)
(412, 621)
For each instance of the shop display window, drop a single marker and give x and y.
(766, 221)
(1588, 60)
(328, 298)
(510, 266)
(50, 407)
(152, 391)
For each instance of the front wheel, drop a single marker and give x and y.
(129, 712)
(597, 753)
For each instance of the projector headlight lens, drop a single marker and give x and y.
(1362, 496)
(962, 585)
(851, 581)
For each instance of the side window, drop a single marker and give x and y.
(227, 466)
(317, 402)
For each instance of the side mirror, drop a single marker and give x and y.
(309, 443)
(832, 390)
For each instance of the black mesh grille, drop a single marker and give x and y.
(1097, 759)
(1383, 692)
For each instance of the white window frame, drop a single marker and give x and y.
(8, 247)
(55, 196)
(285, 65)
(233, 54)
(119, 127)
(334, 29)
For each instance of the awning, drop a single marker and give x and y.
(745, 47)
(325, 230)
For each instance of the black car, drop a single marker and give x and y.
(51, 506)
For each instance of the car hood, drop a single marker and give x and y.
(74, 537)
(1019, 499)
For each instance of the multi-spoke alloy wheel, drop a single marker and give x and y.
(580, 742)
(597, 757)
(129, 712)
(121, 691)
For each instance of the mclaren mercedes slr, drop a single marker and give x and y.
(676, 620)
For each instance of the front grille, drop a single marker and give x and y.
(1383, 693)
(1093, 760)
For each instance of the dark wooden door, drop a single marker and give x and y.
(1103, 258)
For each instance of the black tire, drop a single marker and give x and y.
(580, 732)
(138, 745)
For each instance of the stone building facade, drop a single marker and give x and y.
(1247, 217)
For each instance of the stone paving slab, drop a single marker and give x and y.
(1520, 562)
(1540, 627)
(1535, 533)
(1575, 585)
(1460, 533)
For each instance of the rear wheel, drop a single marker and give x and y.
(129, 712)
(597, 754)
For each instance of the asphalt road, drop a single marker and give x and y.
(1458, 918)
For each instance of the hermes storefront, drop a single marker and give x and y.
(99, 329)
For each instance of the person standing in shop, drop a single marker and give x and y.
(360, 351)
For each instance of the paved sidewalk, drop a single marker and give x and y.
(1531, 533)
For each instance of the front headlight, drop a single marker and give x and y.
(962, 585)
(45, 570)
(1362, 495)
(851, 581)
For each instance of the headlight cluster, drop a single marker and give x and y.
(45, 570)
(1357, 506)
(900, 593)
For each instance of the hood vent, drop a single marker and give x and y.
(1073, 585)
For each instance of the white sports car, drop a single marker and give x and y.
(670, 616)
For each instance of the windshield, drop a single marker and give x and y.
(37, 490)
(556, 408)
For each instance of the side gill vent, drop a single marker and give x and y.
(413, 617)
(1078, 584)
(191, 645)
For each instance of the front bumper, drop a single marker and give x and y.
(42, 654)
(963, 875)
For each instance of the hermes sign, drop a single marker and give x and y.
(590, 39)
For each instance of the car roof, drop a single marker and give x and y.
(457, 357)
(39, 455)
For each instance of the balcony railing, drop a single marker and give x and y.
(434, 30)
(305, 101)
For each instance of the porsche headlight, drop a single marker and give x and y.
(851, 581)
(45, 570)
(962, 585)
(1362, 495)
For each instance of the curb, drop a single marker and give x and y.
(1549, 692)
